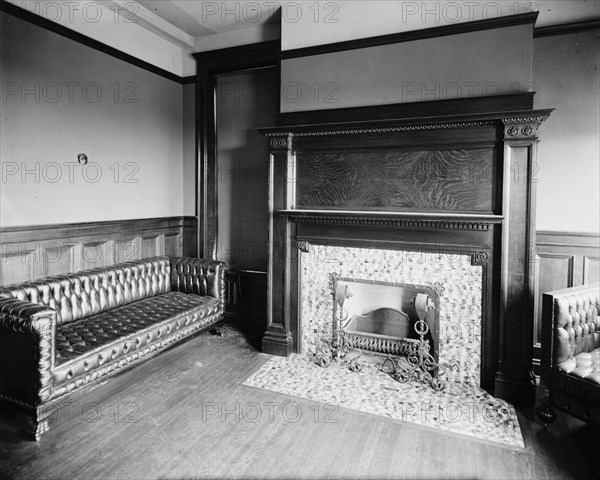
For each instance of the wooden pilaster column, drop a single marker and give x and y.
(277, 339)
(513, 380)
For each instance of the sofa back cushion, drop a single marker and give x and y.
(576, 321)
(86, 293)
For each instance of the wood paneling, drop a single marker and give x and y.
(18, 267)
(591, 269)
(60, 258)
(436, 180)
(562, 260)
(151, 246)
(37, 251)
(95, 254)
(209, 65)
(244, 101)
(247, 299)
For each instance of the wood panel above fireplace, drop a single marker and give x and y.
(455, 180)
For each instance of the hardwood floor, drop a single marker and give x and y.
(185, 414)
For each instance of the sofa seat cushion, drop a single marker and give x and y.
(585, 366)
(133, 320)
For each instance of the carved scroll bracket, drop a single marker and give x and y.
(303, 246)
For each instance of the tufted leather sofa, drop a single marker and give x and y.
(62, 336)
(571, 352)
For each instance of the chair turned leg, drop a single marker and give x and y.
(40, 426)
(546, 414)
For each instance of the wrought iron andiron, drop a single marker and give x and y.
(339, 347)
(421, 364)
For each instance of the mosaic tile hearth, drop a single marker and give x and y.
(460, 409)
(460, 304)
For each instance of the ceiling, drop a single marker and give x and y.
(199, 18)
(165, 32)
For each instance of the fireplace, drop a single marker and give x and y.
(395, 196)
(394, 278)
(379, 316)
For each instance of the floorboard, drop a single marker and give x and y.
(185, 414)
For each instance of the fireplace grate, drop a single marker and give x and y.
(382, 343)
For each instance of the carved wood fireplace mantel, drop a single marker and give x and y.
(455, 177)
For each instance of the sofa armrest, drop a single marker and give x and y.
(27, 351)
(569, 324)
(199, 276)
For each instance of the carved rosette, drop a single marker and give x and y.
(281, 142)
(518, 128)
(479, 258)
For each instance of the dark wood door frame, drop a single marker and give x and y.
(208, 66)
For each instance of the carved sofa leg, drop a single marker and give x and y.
(546, 414)
(40, 426)
(220, 329)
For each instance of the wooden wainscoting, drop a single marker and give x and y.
(37, 251)
(562, 259)
(247, 299)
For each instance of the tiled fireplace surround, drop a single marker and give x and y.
(457, 278)
(415, 194)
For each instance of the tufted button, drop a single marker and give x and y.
(86, 366)
(69, 374)
(149, 337)
(100, 359)
(114, 353)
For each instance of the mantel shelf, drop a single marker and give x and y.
(468, 217)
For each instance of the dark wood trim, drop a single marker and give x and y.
(54, 231)
(246, 291)
(209, 65)
(31, 17)
(188, 80)
(452, 107)
(424, 33)
(254, 55)
(565, 28)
